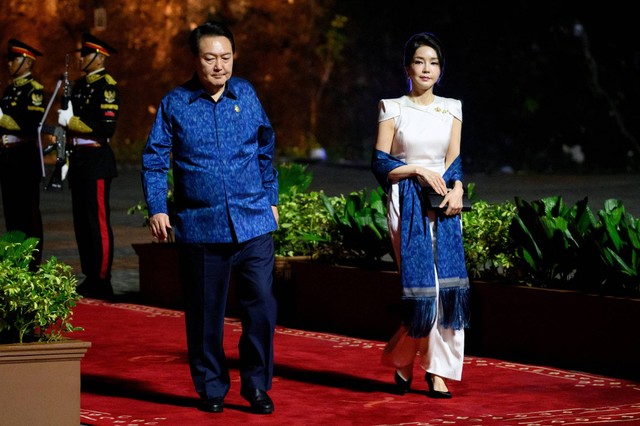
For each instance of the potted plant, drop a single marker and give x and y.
(158, 262)
(569, 288)
(304, 225)
(350, 285)
(37, 361)
(535, 268)
(487, 245)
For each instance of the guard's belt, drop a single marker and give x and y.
(88, 142)
(13, 140)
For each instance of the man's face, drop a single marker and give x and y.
(19, 66)
(91, 62)
(214, 63)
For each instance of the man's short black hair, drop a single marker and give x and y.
(209, 28)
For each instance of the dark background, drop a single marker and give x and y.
(530, 83)
(537, 79)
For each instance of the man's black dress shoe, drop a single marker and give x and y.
(213, 405)
(435, 393)
(402, 385)
(258, 399)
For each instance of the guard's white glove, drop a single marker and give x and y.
(64, 115)
(64, 170)
(1, 113)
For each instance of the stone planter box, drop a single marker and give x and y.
(566, 329)
(159, 275)
(343, 299)
(41, 383)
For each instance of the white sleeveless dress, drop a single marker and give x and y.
(422, 135)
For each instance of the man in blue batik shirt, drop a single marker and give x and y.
(215, 131)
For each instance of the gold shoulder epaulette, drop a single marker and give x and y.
(92, 78)
(110, 79)
(36, 85)
(18, 82)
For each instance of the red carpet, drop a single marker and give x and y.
(136, 373)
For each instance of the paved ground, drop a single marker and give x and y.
(333, 180)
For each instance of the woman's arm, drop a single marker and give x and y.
(384, 142)
(454, 198)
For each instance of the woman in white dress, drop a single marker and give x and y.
(418, 146)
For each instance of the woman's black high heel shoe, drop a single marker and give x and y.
(402, 385)
(435, 393)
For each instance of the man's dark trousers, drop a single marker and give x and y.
(206, 270)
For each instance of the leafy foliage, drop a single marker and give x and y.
(563, 246)
(544, 238)
(361, 233)
(304, 225)
(34, 305)
(618, 244)
(485, 233)
(293, 178)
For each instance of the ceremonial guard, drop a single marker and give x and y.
(21, 110)
(90, 121)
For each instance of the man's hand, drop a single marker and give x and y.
(159, 226)
(64, 115)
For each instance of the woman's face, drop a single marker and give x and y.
(424, 69)
(214, 63)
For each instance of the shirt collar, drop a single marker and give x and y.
(95, 75)
(22, 80)
(98, 71)
(197, 90)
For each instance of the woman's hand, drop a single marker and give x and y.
(453, 201)
(431, 179)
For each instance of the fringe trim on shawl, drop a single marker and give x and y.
(420, 315)
(455, 307)
(419, 311)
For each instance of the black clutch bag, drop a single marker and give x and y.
(434, 200)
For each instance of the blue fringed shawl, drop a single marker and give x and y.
(417, 257)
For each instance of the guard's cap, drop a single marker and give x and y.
(92, 44)
(19, 49)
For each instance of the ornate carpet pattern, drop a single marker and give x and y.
(136, 373)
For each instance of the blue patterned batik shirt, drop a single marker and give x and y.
(222, 159)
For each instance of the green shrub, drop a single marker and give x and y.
(485, 234)
(560, 246)
(34, 305)
(361, 234)
(617, 241)
(293, 178)
(304, 225)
